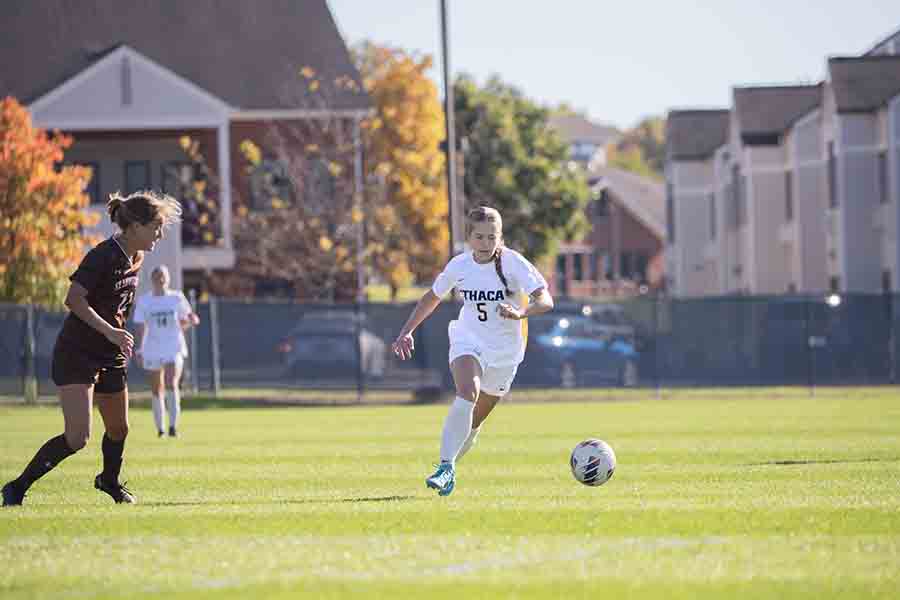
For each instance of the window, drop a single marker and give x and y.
(832, 177)
(578, 267)
(270, 183)
(625, 265)
(583, 150)
(789, 196)
(670, 214)
(712, 216)
(137, 176)
(561, 266)
(739, 191)
(883, 193)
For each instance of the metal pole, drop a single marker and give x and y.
(810, 349)
(358, 206)
(30, 387)
(360, 258)
(214, 344)
(195, 375)
(656, 346)
(450, 124)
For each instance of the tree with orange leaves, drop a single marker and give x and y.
(41, 211)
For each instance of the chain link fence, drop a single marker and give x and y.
(646, 342)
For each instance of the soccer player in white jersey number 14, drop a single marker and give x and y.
(499, 288)
(162, 316)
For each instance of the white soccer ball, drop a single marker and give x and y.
(593, 462)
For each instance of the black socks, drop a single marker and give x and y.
(112, 458)
(53, 452)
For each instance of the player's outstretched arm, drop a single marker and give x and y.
(403, 346)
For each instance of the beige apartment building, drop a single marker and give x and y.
(794, 189)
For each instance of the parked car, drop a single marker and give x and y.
(611, 318)
(576, 350)
(333, 343)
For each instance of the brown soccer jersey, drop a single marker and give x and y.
(111, 280)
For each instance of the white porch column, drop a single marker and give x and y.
(223, 145)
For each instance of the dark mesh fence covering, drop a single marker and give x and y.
(645, 342)
(12, 348)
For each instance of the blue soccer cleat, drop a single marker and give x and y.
(443, 480)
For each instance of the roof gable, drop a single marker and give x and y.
(249, 54)
(643, 197)
(696, 134)
(765, 112)
(126, 90)
(864, 84)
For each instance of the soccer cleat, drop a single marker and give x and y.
(116, 491)
(172, 432)
(160, 433)
(443, 480)
(12, 495)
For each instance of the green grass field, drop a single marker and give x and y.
(741, 495)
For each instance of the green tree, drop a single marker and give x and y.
(641, 149)
(516, 163)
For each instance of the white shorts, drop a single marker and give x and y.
(156, 363)
(495, 380)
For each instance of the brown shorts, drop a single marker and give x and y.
(71, 366)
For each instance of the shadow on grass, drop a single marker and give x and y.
(286, 501)
(791, 463)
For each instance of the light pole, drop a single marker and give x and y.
(450, 142)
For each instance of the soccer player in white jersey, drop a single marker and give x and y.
(162, 316)
(487, 341)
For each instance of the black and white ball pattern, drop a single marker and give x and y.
(593, 462)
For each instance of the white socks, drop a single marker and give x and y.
(158, 411)
(173, 405)
(470, 441)
(457, 428)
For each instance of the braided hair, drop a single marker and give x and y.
(480, 214)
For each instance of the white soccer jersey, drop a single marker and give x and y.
(500, 341)
(161, 316)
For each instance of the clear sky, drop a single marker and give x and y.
(623, 60)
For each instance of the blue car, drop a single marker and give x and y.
(576, 350)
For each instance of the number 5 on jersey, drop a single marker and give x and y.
(482, 314)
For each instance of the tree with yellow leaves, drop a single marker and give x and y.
(407, 199)
(41, 211)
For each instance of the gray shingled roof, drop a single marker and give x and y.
(645, 198)
(863, 84)
(765, 112)
(695, 134)
(575, 128)
(246, 53)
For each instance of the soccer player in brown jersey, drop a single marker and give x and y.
(93, 348)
